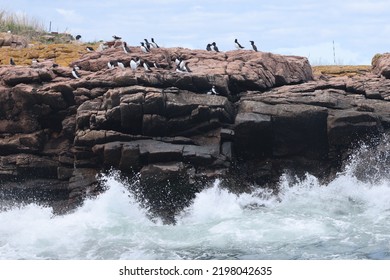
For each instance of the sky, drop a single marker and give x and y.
(326, 32)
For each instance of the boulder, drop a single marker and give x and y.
(381, 65)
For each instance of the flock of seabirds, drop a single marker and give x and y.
(181, 64)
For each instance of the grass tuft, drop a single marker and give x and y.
(20, 24)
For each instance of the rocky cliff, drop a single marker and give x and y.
(167, 130)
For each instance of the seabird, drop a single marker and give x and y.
(55, 65)
(214, 47)
(185, 67)
(156, 65)
(90, 49)
(111, 64)
(253, 46)
(125, 47)
(121, 65)
(238, 45)
(179, 70)
(178, 60)
(11, 61)
(208, 47)
(133, 64)
(146, 66)
(147, 43)
(154, 44)
(116, 37)
(78, 37)
(75, 74)
(214, 91)
(182, 63)
(144, 48)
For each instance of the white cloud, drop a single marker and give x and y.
(368, 7)
(70, 16)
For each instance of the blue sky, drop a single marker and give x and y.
(359, 28)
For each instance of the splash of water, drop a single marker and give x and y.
(348, 218)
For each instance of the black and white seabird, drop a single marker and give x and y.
(121, 65)
(253, 46)
(182, 63)
(144, 48)
(184, 66)
(111, 64)
(214, 47)
(125, 47)
(11, 61)
(238, 45)
(90, 49)
(134, 64)
(154, 44)
(147, 44)
(75, 74)
(179, 70)
(178, 60)
(208, 47)
(213, 91)
(78, 37)
(116, 37)
(156, 65)
(146, 66)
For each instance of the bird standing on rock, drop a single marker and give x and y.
(11, 61)
(185, 67)
(154, 44)
(125, 47)
(214, 47)
(134, 64)
(75, 74)
(147, 44)
(238, 45)
(144, 48)
(253, 46)
(214, 90)
(146, 66)
(111, 64)
(208, 47)
(121, 65)
(89, 49)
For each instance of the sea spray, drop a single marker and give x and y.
(346, 218)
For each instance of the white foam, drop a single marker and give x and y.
(346, 218)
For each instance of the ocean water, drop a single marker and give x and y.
(347, 218)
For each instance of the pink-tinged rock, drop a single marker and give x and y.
(381, 65)
(14, 75)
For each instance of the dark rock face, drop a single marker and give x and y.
(271, 115)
